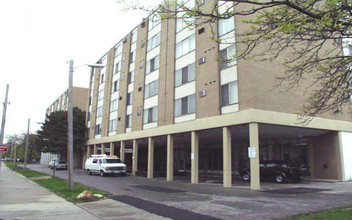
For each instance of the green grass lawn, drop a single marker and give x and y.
(25, 172)
(335, 214)
(60, 187)
(55, 185)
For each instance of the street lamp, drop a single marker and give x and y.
(70, 121)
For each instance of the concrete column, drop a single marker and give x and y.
(194, 157)
(339, 159)
(150, 158)
(311, 159)
(227, 172)
(112, 149)
(95, 150)
(88, 152)
(122, 151)
(102, 149)
(135, 157)
(170, 158)
(254, 162)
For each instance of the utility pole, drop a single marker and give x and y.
(70, 128)
(27, 140)
(15, 150)
(3, 120)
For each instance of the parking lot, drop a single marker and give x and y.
(273, 201)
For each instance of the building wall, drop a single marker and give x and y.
(254, 82)
(326, 157)
(346, 154)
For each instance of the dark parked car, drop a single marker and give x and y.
(278, 171)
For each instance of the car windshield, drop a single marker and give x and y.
(62, 162)
(111, 161)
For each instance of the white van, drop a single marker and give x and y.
(103, 164)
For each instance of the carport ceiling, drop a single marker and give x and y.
(240, 133)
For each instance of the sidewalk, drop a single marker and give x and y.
(21, 198)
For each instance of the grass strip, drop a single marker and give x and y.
(334, 214)
(60, 187)
(24, 172)
(56, 185)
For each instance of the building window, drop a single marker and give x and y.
(134, 37)
(154, 21)
(153, 64)
(153, 42)
(129, 121)
(130, 77)
(186, 105)
(227, 57)
(182, 22)
(117, 67)
(226, 25)
(102, 78)
(132, 57)
(104, 60)
(130, 98)
(101, 94)
(112, 125)
(150, 115)
(151, 89)
(185, 46)
(88, 116)
(99, 111)
(115, 86)
(97, 129)
(118, 50)
(229, 94)
(185, 75)
(113, 105)
(90, 101)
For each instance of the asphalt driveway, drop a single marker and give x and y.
(274, 201)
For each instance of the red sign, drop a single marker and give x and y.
(3, 148)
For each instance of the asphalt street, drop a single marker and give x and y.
(212, 201)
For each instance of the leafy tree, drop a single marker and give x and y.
(52, 137)
(33, 153)
(308, 37)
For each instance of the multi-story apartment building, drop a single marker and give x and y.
(166, 105)
(80, 100)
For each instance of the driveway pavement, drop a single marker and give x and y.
(21, 198)
(274, 201)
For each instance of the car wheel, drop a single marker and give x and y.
(246, 177)
(102, 173)
(279, 178)
(88, 172)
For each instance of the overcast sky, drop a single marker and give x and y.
(37, 39)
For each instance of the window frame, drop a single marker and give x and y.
(223, 63)
(114, 105)
(188, 75)
(128, 122)
(227, 86)
(156, 39)
(129, 99)
(130, 77)
(226, 22)
(182, 107)
(113, 125)
(118, 51)
(147, 90)
(148, 69)
(190, 49)
(153, 111)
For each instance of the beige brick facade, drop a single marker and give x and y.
(224, 96)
